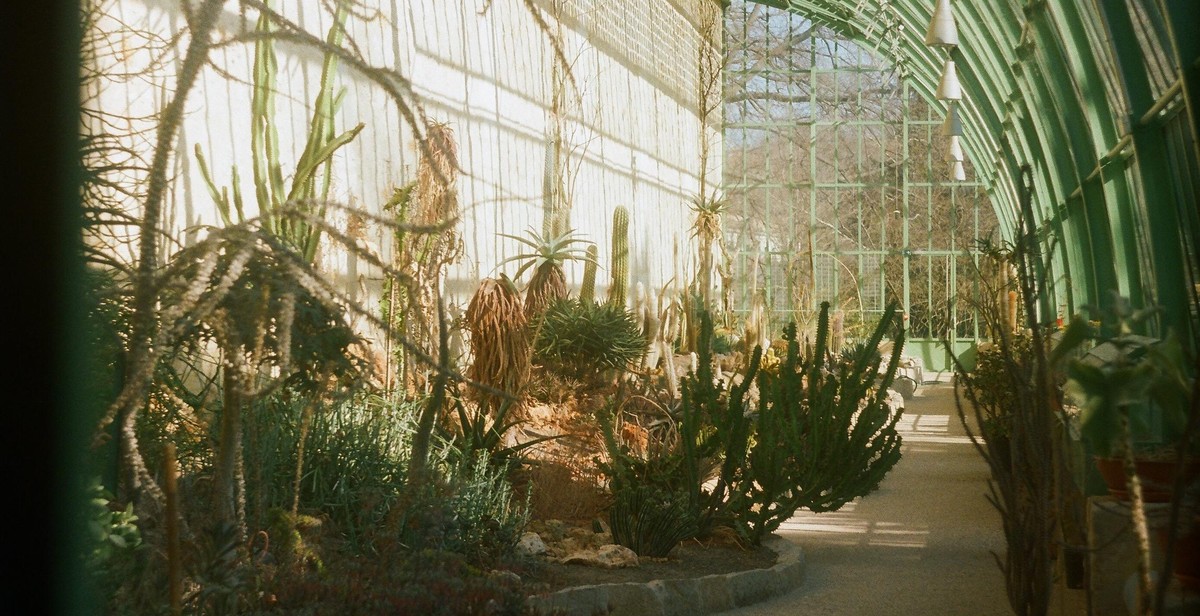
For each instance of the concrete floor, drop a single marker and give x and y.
(921, 544)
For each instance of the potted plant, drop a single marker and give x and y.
(1134, 392)
(1135, 395)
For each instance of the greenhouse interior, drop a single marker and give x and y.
(539, 307)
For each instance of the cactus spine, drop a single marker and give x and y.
(620, 257)
(587, 291)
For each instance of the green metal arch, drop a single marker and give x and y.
(1111, 194)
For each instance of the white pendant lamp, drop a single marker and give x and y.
(956, 151)
(948, 88)
(942, 32)
(952, 125)
(958, 172)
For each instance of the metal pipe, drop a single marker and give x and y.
(1163, 102)
(1104, 160)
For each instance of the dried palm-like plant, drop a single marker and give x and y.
(706, 228)
(499, 343)
(432, 201)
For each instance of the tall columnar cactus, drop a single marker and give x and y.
(587, 291)
(620, 257)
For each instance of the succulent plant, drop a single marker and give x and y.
(620, 257)
(549, 282)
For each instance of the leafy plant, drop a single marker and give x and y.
(996, 366)
(1120, 384)
(114, 532)
(472, 512)
(355, 461)
(583, 339)
(1126, 381)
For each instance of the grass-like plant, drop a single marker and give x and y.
(584, 339)
(478, 434)
(651, 521)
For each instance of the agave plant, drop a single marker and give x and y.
(548, 283)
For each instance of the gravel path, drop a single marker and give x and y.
(919, 545)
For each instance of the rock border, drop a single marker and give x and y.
(684, 597)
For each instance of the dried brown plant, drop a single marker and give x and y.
(499, 338)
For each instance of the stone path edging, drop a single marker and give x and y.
(686, 597)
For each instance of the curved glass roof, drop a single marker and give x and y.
(1099, 99)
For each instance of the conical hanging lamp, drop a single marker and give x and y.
(942, 32)
(958, 172)
(956, 151)
(948, 88)
(952, 125)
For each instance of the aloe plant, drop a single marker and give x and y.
(548, 253)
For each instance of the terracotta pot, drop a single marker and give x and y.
(1186, 560)
(1158, 477)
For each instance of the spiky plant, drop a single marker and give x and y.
(583, 339)
(496, 319)
(620, 257)
(549, 282)
(587, 290)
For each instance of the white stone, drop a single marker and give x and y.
(531, 544)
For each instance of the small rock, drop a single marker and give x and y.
(615, 556)
(531, 544)
(609, 556)
(505, 577)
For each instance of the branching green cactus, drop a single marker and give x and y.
(822, 433)
(620, 257)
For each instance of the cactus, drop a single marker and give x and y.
(587, 291)
(620, 257)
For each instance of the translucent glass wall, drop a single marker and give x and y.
(838, 188)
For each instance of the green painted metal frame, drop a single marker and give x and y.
(1063, 86)
(921, 177)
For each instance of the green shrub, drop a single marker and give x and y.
(115, 539)
(997, 379)
(472, 512)
(355, 459)
(583, 339)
